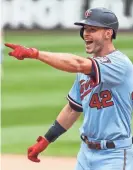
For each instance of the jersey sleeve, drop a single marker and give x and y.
(110, 71)
(74, 96)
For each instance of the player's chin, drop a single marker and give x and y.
(89, 51)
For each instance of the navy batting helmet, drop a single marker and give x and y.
(100, 17)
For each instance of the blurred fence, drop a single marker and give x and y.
(48, 14)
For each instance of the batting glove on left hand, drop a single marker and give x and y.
(34, 150)
(21, 52)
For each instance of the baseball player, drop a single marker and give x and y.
(103, 91)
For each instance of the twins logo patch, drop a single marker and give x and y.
(103, 59)
(88, 13)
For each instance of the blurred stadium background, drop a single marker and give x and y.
(32, 92)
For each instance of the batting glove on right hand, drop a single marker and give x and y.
(34, 150)
(21, 52)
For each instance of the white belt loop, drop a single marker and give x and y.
(103, 144)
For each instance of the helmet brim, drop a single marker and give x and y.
(91, 23)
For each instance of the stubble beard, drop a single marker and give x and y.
(97, 48)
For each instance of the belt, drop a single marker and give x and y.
(97, 145)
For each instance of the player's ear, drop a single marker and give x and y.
(108, 33)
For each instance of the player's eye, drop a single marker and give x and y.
(90, 30)
(93, 30)
(85, 28)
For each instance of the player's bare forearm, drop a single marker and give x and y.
(62, 61)
(63, 122)
(67, 117)
(66, 62)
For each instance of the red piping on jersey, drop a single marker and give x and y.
(96, 71)
(72, 101)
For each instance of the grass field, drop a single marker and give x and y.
(33, 93)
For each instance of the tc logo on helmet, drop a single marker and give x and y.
(88, 13)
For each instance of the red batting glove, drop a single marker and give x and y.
(34, 150)
(21, 52)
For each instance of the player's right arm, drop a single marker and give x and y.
(64, 121)
(62, 61)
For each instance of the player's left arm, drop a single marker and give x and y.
(64, 121)
(62, 61)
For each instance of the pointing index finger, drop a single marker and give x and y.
(13, 46)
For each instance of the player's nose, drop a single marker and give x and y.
(86, 35)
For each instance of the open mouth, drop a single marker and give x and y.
(87, 42)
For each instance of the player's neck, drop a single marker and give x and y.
(107, 49)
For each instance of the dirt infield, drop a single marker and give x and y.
(20, 162)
